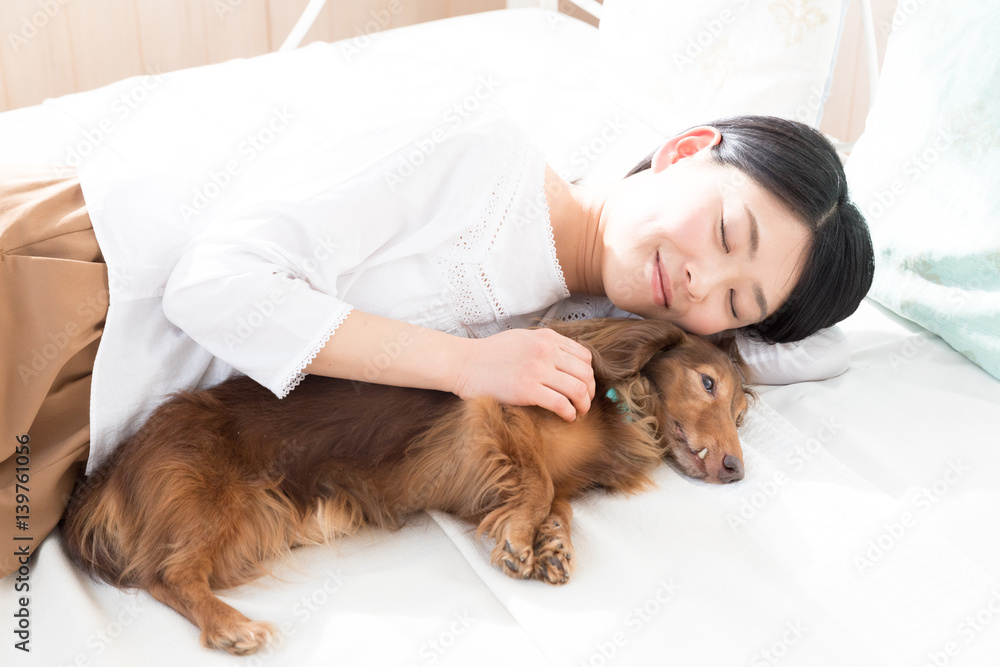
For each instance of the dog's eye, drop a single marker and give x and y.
(708, 382)
(739, 418)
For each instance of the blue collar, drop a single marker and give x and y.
(622, 407)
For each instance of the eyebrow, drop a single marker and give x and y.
(758, 294)
(754, 232)
(752, 246)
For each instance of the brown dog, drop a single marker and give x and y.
(219, 482)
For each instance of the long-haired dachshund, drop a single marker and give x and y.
(219, 482)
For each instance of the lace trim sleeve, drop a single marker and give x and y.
(294, 378)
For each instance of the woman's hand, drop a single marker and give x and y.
(519, 367)
(529, 367)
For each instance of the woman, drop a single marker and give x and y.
(413, 274)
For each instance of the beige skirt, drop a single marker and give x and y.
(54, 299)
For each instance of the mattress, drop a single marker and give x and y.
(864, 532)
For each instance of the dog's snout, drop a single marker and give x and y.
(732, 469)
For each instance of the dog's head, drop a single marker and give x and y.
(696, 391)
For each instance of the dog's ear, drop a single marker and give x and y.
(730, 346)
(621, 346)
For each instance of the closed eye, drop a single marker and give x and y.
(725, 246)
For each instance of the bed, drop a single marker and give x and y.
(865, 530)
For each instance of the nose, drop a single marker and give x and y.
(732, 469)
(703, 277)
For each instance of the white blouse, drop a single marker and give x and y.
(449, 230)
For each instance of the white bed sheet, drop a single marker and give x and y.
(863, 534)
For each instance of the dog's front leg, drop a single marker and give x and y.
(515, 524)
(553, 550)
(517, 490)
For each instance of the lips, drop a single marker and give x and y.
(683, 439)
(660, 283)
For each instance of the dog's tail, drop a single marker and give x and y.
(114, 526)
(180, 493)
(91, 525)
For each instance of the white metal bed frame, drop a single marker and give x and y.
(595, 9)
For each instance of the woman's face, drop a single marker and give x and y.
(699, 244)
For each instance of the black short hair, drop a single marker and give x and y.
(800, 167)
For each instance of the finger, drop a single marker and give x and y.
(576, 349)
(573, 389)
(579, 369)
(556, 402)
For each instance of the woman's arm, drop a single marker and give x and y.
(519, 366)
(259, 290)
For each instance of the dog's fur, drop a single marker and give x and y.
(220, 482)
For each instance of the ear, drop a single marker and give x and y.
(684, 145)
(621, 346)
(729, 345)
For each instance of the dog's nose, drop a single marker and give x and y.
(732, 469)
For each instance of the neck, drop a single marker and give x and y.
(576, 216)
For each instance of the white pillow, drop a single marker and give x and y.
(924, 173)
(677, 63)
(823, 355)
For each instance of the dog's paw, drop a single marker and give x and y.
(553, 552)
(514, 558)
(244, 638)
